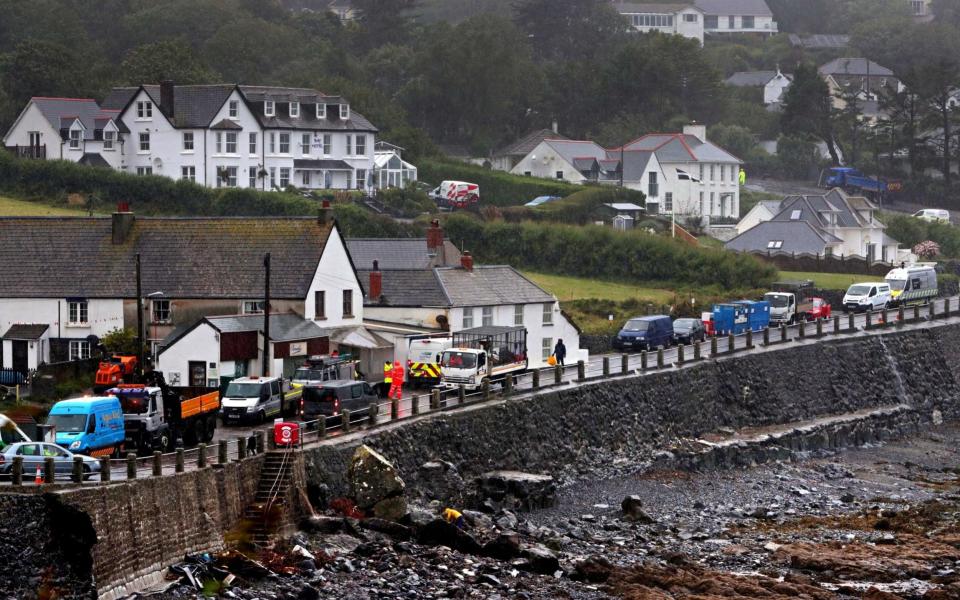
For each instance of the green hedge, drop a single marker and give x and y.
(497, 188)
(603, 253)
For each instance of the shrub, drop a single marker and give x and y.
(927, 249)
(910, 231)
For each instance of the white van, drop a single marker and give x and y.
(913, 283)
(254, 399)
(933, 214)
(867, 296)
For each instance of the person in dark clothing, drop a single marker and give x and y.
(560, 352)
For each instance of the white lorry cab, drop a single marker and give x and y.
(481, 354)
(424, 354)
(872, 295)
(254, 399)
(913, 283)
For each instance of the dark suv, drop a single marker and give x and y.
(330, 398)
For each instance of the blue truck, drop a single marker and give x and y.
(853, 180)
(737, 317)
(92, 426)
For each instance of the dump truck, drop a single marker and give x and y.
(119, 368)
(488, 353)
(856, 182)
(792, 301)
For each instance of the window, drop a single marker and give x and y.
(731, 22)
(703, 207)
(253, 307)
(795, 215)
(305, 143)
(344, 111)
(653, 20)
(701, 173)
(231, 142)
(75, 137)
(486, 316)
(233, 109)
(253, 143)
(723, 173)
(188, 141)
(77, 312)
(144, 141)
(919, 7)
(160, 311)
(710, 22)
(711, 173)
(294, 109)
(252, 176)
(227, 177)
(305, 176)
(746, 22)
(547, 348)
(269, 108)
(188, 173)
(284, 177)
(273, 143)
(273, 177)
(775, 244)
(284, 143)
(527, 173)
(144, 170)
(468, 317)
(688, 18)
(361, 178)
(219, 143)
(548, 313)
(668, 202)
(321, 110)
(361, 145)
(79, 350)
(348, 303)
(327, 144)
(144, 109)
(108, 138)
(653, 188)
(518, 314)
(320, 305)
(559, 174)
(349, 145)
(712, 204)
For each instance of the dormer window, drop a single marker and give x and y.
(295, 109)
(233, 109)
(75, 137)
(144, 109)
(321, 110)
(269, 108)
(344, 111)
(109, 137)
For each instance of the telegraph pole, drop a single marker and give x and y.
(266, 317)
(139, 322)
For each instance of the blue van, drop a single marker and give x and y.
(92, 426)
(645, 333)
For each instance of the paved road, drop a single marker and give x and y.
(523, 387)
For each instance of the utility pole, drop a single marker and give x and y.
(266, 317)
(139, 322)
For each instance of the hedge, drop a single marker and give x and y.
(497, 188)
(603, 253)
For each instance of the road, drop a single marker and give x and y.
(523, 388)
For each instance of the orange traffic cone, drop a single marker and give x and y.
(39, 477)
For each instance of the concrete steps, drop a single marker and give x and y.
(270, 509)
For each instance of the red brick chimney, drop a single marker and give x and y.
(434, 238)
(376, 282)
(123, 221)
(326, 213)
(166, 97)
(466, 261)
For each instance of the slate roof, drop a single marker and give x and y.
(489, 285)
(527, 143)
(226, 124)
(819, 40)
(93, 159)
(573, 149)
(329, 164)
(797, 236)
(61, 112)
(25, 331)
(284, 327)
(854, 66)
(399, 253)
(634, 162)
(407, 287)
(753, 78)
(757, 8)
(679, 147)
(198, 257)
(629, 8)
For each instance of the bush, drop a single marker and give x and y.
(602, 253)
(586, 205)
(910, 231)
(497, 188)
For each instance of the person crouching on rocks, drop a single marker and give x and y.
(454, 517)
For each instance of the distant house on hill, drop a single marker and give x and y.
(74, 129)
(677, 19)
(774, 83)
(737, 16)
(506, 158)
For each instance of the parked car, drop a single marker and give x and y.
(688, 331)
(255, 399)
(933, 214)
(35, 453)
(330, 398)
(867, 296)
(645, 333)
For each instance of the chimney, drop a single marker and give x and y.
(166, 97)
(555, 127)
(326, 213)
(376, 283)
(466, 261)
(434, 238)
(696, 130)
(122, 223)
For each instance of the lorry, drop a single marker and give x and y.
(119, 368)
(423, 358)
(854, 181)
(740, 316)
(456, 194)
(792, 301)
(913, 283)
(488, 353)
(93, 425)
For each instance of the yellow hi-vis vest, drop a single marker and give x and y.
(387, 367)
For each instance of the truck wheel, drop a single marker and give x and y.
(163, 442)
(262, 417)
(211, 429)
(190, 437)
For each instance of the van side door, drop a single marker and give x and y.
(276, 395)
(356, 401)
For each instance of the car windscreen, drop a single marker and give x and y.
(684, 324)
(858, 290)
(777, 300)
(636, 325)
(68, 423)
(897, 284)
(459, 360)
(319, 395)
(134, 404)
(243, 390)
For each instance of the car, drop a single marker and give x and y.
(331, 398)
(933, 214)
(645, 333)
(35, 453)
(688, 331)
(867, 296)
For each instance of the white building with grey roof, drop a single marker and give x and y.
(684, 19)
(737, 16)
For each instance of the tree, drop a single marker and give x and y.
(383, 22)
(252, 50)
(41, 68)
(170, 59)
(808, 109)
(120, 341)
(559, 31)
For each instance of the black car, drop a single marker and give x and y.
(688, 331)
(329, 398)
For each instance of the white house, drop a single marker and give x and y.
(573, 161)
(676, 19)
(737, 16)
(774, 83)
(507, 157)
(761, 211)
(74, 129)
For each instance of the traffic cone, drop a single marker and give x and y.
(39, 477)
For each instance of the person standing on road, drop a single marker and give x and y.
(560, 352)
(396, 381)
(387, 379)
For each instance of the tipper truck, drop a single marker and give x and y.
(483, 353)
(793, 301)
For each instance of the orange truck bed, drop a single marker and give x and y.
(199, 405)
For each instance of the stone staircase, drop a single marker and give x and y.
(271, 510)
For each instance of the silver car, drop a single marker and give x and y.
(35, 453)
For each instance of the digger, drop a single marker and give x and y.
(119, 368)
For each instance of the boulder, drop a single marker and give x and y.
(440, 533)
(539, 559)
(477, 519)
(372, 478)
(322, 524)
(506, 546)
(594, 569)
(395, 530)
(517, 490)
(393, 508)
(440, 480)
(632, 507)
